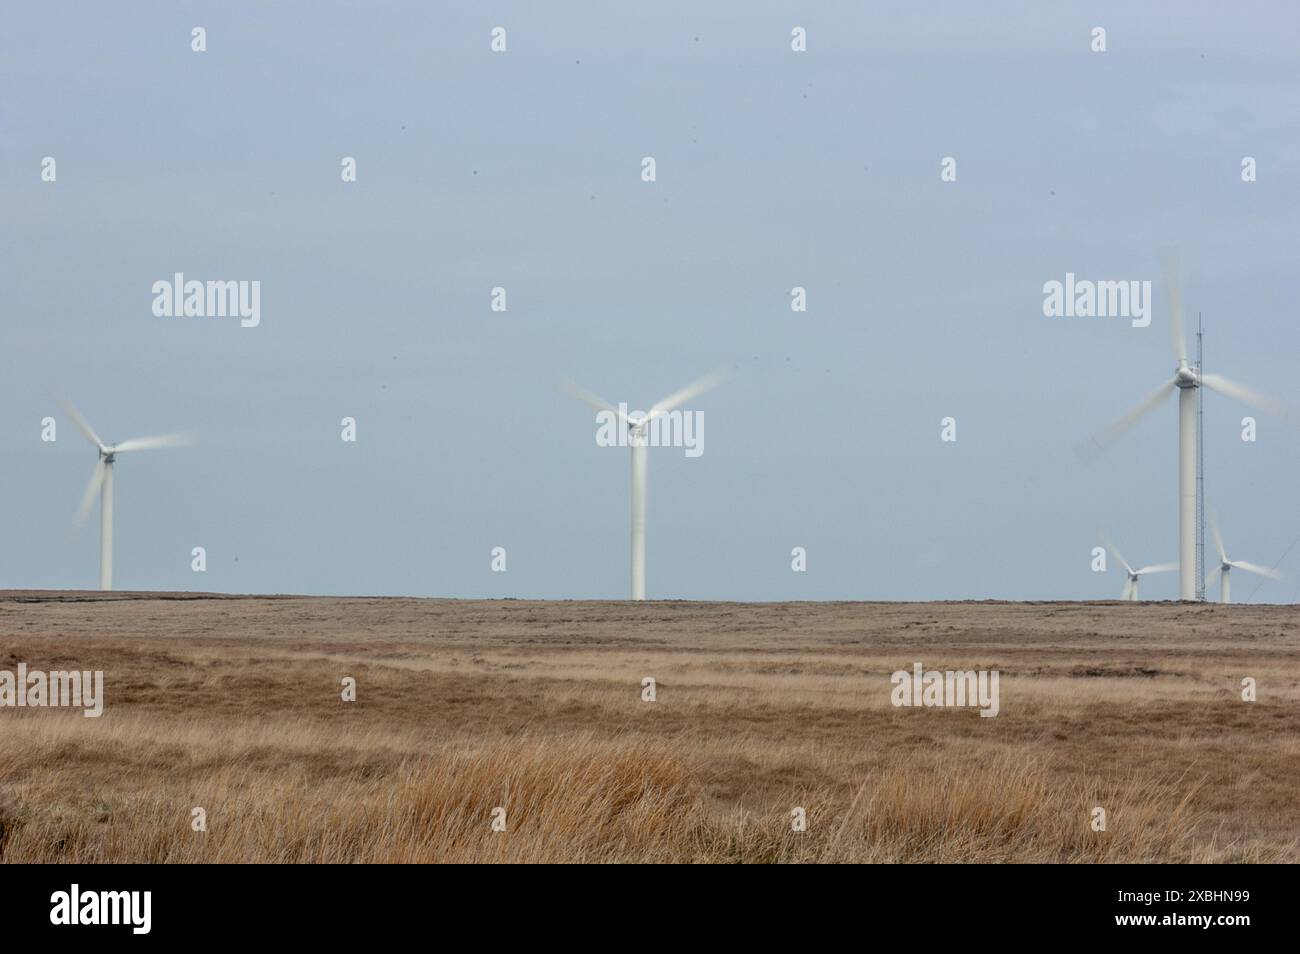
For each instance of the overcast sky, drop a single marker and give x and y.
(523, 170)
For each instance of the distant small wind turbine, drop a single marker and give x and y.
(636, 427)
(101, 479)
(1186, 380)
(1130, 590)
(1225, 565)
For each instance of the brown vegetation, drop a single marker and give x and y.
(234, 705)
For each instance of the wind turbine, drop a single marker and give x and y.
(1130, 590)
(101, 479)
(637, 425)
(1186, 380)
(1225, 565)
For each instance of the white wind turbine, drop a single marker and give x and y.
(636, 424)
(1186, 380)
(1225, 565)
(101, 479)
(1130, 590)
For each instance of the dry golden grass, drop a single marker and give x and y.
(233, 705)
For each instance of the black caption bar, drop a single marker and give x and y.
(136, 904)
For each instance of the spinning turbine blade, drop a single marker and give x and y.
(183, 439)
(1127, 591)
(88, 498)
(1256, 568)
(1105, 539)
(1156, 568)
(1245, 395)
(87, 431)
(1103, 439)
(594, 401)
(1213, 575)
(1175, 290)
(706, 383)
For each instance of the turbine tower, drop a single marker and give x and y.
(1130, 590)
(1225, 565)
(1186, 380)
(637, 425)
(101, 480)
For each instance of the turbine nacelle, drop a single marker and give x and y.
(1185, 376)
(638, 431)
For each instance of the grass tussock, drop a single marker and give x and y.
(590, 801)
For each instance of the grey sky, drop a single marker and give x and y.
(775, 169)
